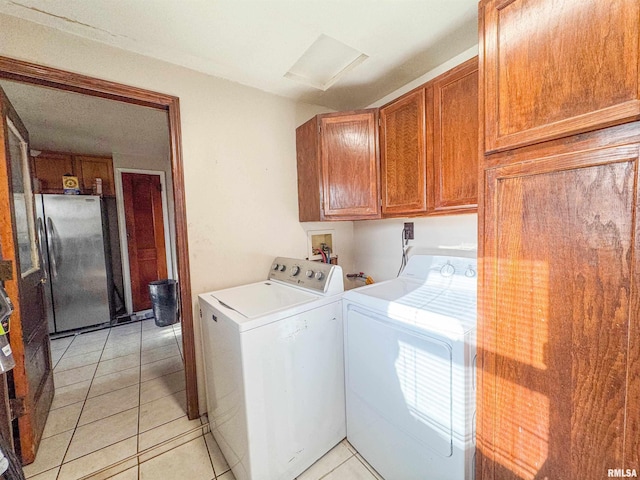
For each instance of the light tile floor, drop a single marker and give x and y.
(119, 413)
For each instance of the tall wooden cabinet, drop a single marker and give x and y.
(559, 317)
(559, 322)
(338, 167)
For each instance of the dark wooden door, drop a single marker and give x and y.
(142, 196)
(6, 432)
(31, 381)
(558, 330)
(403, 153)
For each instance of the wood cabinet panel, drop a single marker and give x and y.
(403, 153)
(453, 167)
(349, 162)
(553, 69)
(49, 168)
(309, 178)
(558, 326)
(88, 168)
(338, 167)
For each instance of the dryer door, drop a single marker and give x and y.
(399, 388)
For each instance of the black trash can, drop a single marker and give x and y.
(164, 301)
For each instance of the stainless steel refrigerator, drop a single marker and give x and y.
(72, 232)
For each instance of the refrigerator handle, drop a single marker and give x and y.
(52, 250)
(41, 244)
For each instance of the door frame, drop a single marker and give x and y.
(122, 226)
(21, 71)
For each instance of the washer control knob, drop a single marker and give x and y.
(470, 272)
(283, 268)
(447, 270)
(319, 275)
(309, 273)
(295, 270)
(275, 266)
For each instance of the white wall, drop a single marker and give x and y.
(378, 243)
(239, 157)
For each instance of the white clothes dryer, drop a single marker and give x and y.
(409, 360)
(274, 369)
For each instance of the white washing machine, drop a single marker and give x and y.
(409, 365)
(274, 369)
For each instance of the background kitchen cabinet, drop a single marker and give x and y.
(88, 168)
(403, 153)
(453, 165)
(558, 68)
(49, 168)
(338, 168)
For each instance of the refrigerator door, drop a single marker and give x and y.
(77, 260)
(44, 252)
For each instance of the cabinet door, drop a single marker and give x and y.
(49, 168)
(349, 163)
(403, 154)
(558, 326)
(555, 68)
(308, 167)
(453, 171)
(89, 168)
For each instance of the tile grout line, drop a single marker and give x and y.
(178, 343)
(139, 406)
(110, 336)
(215, 475)
(366, 465)
(339, 465)
(66, 452)
(144, 452)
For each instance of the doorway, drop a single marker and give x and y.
(16, 70)
(143, 215)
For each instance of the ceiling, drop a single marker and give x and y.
(257, 42)
(71, 122)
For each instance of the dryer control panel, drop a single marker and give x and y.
(318, 277)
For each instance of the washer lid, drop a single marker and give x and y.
(259, 299)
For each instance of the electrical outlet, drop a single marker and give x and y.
(408, 231)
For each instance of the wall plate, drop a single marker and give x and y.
(317, 237)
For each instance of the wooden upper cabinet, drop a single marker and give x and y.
(403, 154)
(553, 69)
(338, 168)
(453, 166)
(88, 168)
(49, 168)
